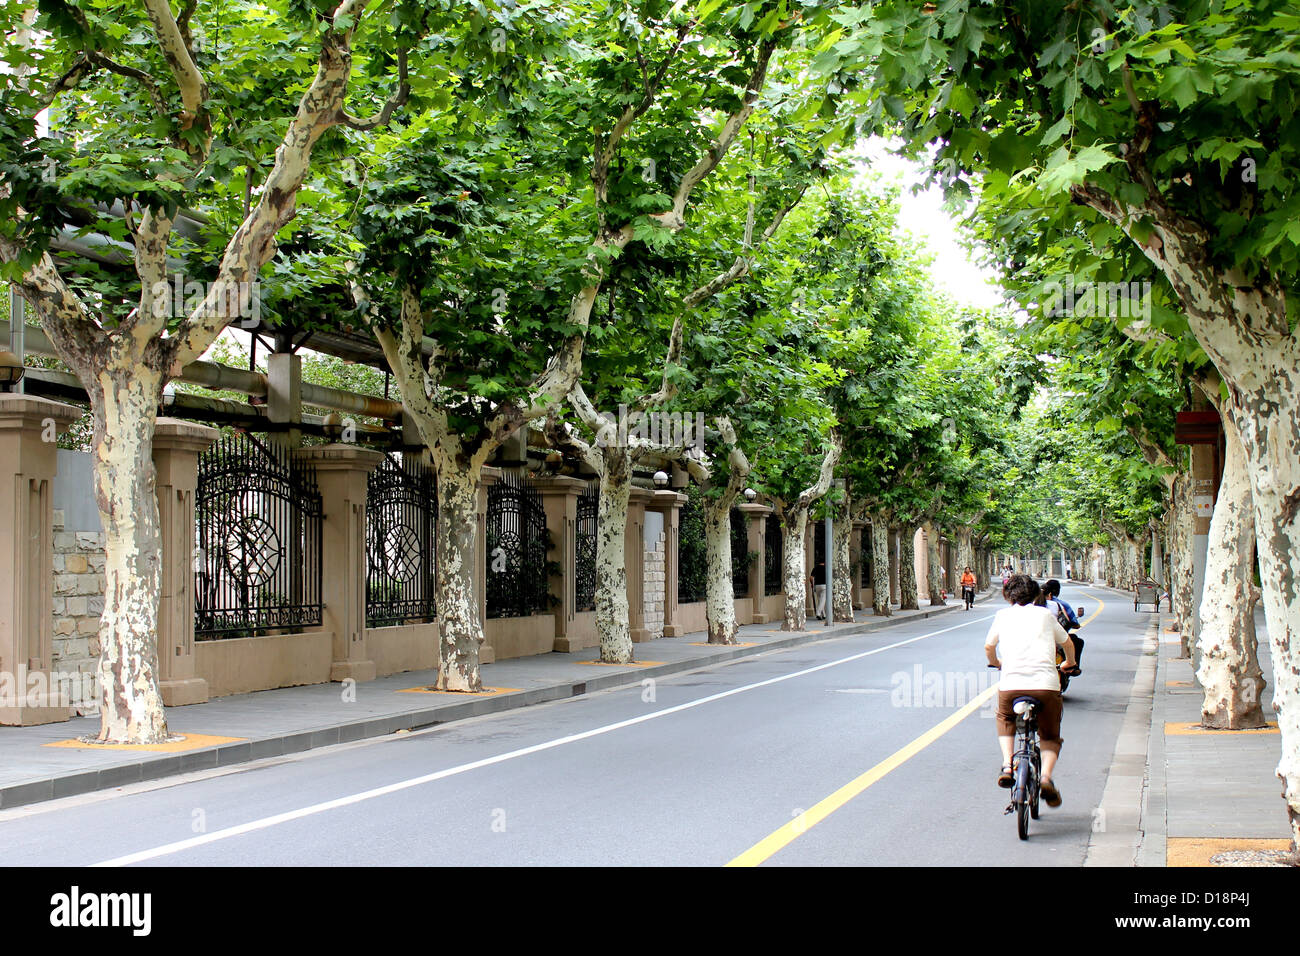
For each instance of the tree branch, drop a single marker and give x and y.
(176, 51)
(829, 460)
(393, 103)
(253, 244)
(140, 76)
(675, 218)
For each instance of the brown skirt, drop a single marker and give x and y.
(1049, 714)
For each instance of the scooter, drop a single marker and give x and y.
(1078, 653)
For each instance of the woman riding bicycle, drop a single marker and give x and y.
(1026, 638)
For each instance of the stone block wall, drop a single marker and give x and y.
(654, 588)
(78, 604)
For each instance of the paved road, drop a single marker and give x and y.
(699, 768)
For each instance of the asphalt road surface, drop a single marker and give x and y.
(830, 753)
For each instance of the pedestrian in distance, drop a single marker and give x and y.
(818, 580)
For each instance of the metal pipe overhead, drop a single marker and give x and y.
(216, 376)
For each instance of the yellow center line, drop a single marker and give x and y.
(769, 845)
(1100, 604)
(763, 850)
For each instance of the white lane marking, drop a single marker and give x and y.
(860, 690)
(275, 820)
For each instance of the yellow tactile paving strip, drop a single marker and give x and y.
(1196, 730)
(186, 742)
(1194, 851)
(485, 692)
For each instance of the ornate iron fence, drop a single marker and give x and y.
(401, 523)
(584, 551)
(692, 560)
(773, 551)
(517, 542)
(866, 564)
(739, 554)
(258, 566)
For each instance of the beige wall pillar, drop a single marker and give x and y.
(176, 448)
(634, 555)
(669, 504)
(490, 476)
(341, 472)
(560, 500)
(29, 429)
(756, 524)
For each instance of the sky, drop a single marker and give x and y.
(953, 268)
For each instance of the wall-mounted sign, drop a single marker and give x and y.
(1197, 428)
(1204, 505)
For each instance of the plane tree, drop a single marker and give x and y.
(647, 340)
(114, 118)
(479, 266)
(1170, 126)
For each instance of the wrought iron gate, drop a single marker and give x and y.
(773, 573)
(692, 560)
(517, 544)
(739, 554)
(584, 551)
(401, 519)
(868, 561)
(258, 565)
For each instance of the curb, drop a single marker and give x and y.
(82, 782)
(1124, 812)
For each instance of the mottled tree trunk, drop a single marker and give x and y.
(1183, 566)
(841, 585)
(720, 587)
(907, 568)
(460, 630)
(880, 603)
(932, 577)
(131, 703)
(964, 557)
(1229, 671)
(794, 524)
(612, 613)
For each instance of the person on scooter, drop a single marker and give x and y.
(1022, 643)
(968, 587)
(1052, 589)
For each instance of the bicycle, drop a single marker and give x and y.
(1026, 764)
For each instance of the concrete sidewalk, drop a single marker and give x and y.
(1181, 796)
(48, 762)
(1222, 803)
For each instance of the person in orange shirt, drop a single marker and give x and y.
(968, 588)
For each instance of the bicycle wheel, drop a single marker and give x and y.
(1021, 796)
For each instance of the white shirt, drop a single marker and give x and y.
(1026, 637)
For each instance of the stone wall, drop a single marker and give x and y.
(655, 576)
(78, 604)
